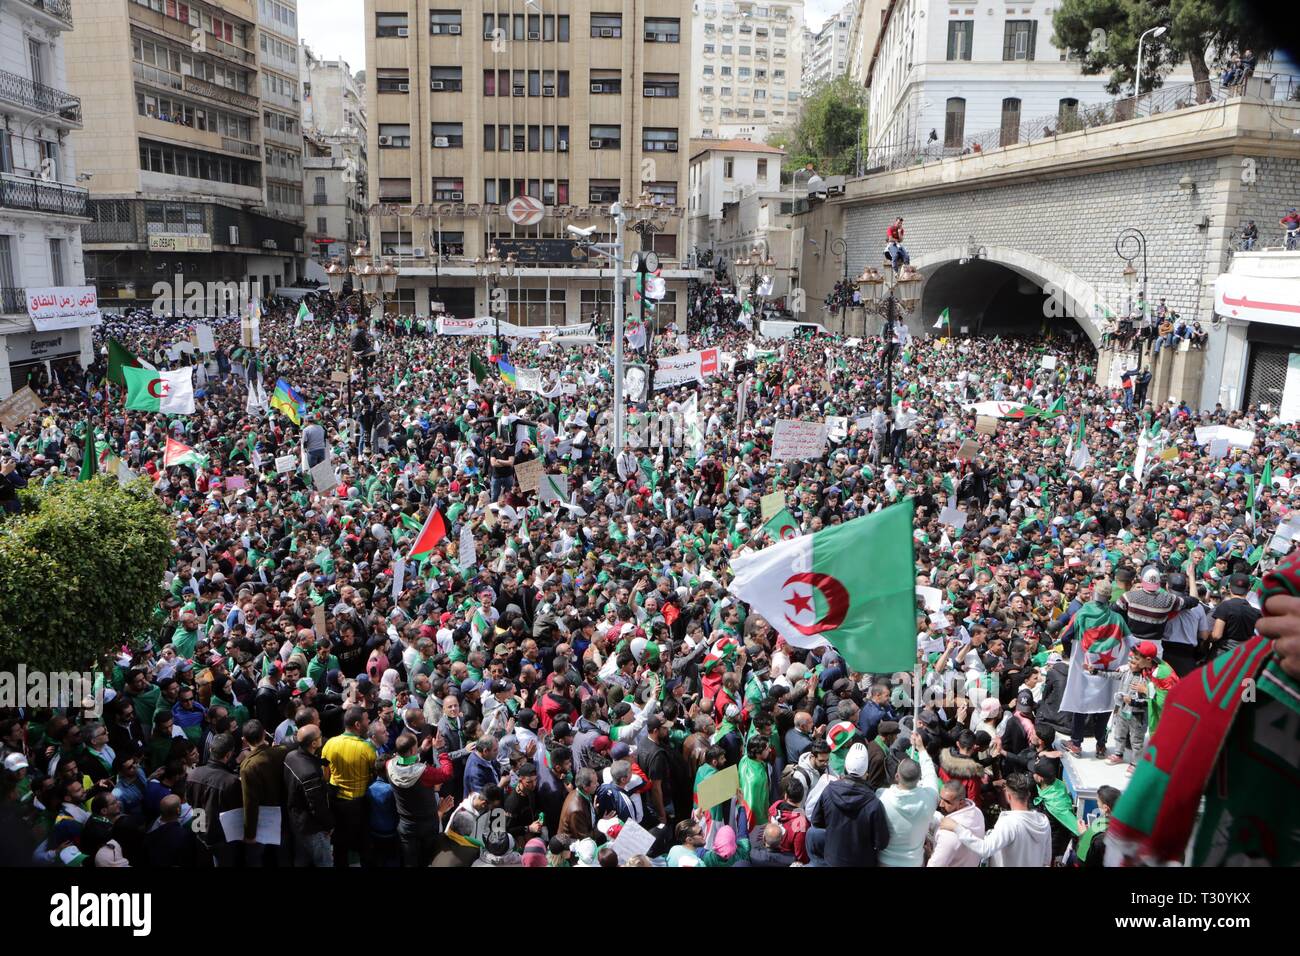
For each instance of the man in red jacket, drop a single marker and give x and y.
(556, 705)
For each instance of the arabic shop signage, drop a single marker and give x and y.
(63, 307)
(453, 210)
(563, 251)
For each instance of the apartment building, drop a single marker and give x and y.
(335, 159)
(747, 69)
(41, 205)
(494, 126)
(826, 51)
(177, 143)
(864, 29)
(281, 90)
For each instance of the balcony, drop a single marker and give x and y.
(38, 98)
(35, 195)
(12, 300)
(240, 147)
(221, 94)
(58, 9)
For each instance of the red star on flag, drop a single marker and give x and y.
(1105, 659)
(800, 602)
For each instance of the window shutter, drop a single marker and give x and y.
(1033, 38)
(1009, 41)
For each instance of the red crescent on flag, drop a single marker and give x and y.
(786, 532)
(837, 602)
(161, 393)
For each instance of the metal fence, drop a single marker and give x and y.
(60, 8)
(1074, 117)
(12, 300)
(39, 97)
(39, 196)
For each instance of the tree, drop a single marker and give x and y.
(80, 574)
(1104, 35)
(828, 129)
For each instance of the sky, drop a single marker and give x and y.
(335, 28)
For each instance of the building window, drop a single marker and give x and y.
(604, 82)
(445, 79)
(728, 164)
(1010, 122)
(664, 84)
(606, 25)
(390, 25)
(606, 137)
(662, 30)
(1067, 115)
(663, 194)
(1018, 39)
(395, 190)
(394, 136)
(659, 140)
(449, 190)
(392, 81)
(448, 135)
(56, 262)
(954, 122)
(322, 225)
(960, 35)
(603, 191)
(444, 22)
(762, 166)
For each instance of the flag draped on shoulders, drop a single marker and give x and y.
(1098, 658)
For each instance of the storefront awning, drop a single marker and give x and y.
(1271, 299)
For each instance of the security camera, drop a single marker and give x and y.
(584, 233)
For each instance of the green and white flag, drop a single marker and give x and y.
(944, 320)
(852, 585)
(782, 526)
(148, 390)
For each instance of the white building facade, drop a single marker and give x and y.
(942, 72)
(42, 206)
(335, 164)
(826, 51)
(724, 173)
(282, 145)
(746, 68)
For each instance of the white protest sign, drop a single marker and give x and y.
(837, 427)
(285, 463)
(1048, 362)
(954, 517)
(552, 488)
(931, 598)
(268, 825)
(203, 337)
(468, 556)
(399, 578)
(632, 840)
(795, 440)
(1236, 437)
(675, 370)
(1219, 448)
(323, 477)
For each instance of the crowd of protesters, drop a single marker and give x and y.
(564, 696)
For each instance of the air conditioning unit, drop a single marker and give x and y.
(671, 147)
(650, 37)
(403, 32)
(489, 34)
(418, 252)
(650, 91)
(441, 142)
(454, 29)
(435, 85)
(597, 144)
(234, 235)
(564, 145)
(517, 90)
(403, 87)
(548, 91)
(385, 141)
(457, 196)
(597, 88)
(607, 31)
(534, 35)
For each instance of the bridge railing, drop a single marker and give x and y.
(1075, 117)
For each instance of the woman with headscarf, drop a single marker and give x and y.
(388, 686)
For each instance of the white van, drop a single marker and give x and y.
(775, 329)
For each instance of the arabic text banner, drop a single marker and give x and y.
(63, 307)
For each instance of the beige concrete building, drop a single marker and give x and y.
(572, 105)
(335, 162)
(174, 140)
(747, 68)
(282, 104)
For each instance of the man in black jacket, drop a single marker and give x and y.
(212, 790)
(849, 827)
(767, 852)
(307, 799)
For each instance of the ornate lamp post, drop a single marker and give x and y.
(887, 294)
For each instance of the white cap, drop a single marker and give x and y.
(855, 764)
(15, 762)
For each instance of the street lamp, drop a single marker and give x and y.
(1130, 244)
(1137, 76)
(973, 251)
(886, 294)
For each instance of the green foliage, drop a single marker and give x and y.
(80, 575)
(827, 131)
(1205, 33)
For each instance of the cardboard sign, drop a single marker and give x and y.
(285, 463)
(795, 440)
(771, 504)
(984, 425)
(718, 788)
(1048, 362)
(968, 450)
(529, 474)
(19, 406)
(319, 623)
(323, 477)
(339, 376)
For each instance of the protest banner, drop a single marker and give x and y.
(795, 440)
(19, 406)
(529, 473)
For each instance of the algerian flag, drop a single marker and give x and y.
(1056, 408)
(148, 390)
(943, 320)
(89, 464)
(304, 313)
(178, 453)
(120, 357)
(1079, 456)
(1099, 645)
(817, 589)
(782, 526)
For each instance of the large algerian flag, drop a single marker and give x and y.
(1099, 653)
(852, 585)
(782, 526)
(1016, 410)
(148, 390)
(179, 453)
(433, 531)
